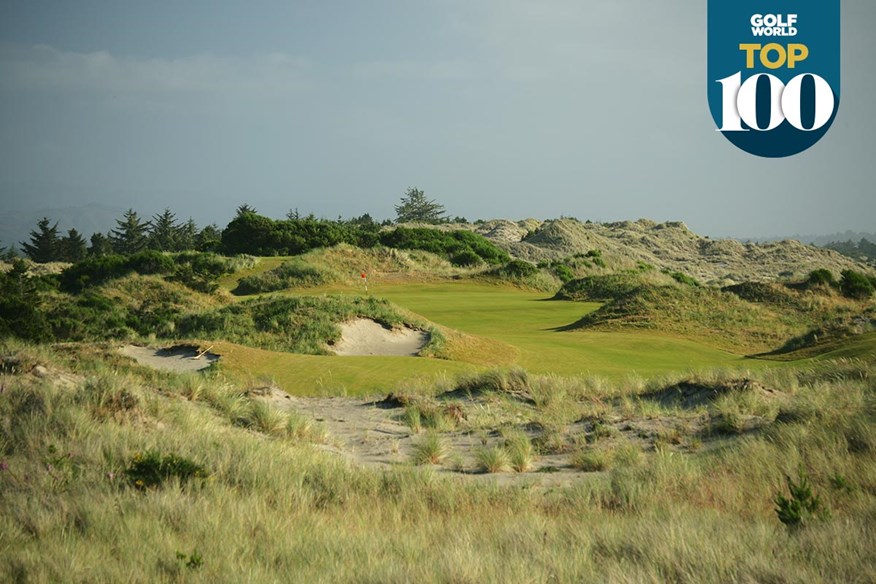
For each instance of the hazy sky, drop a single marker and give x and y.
(497, 108)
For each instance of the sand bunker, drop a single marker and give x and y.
(180, 358)
(366, 337)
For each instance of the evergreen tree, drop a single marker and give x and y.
(100, 245)
(186, 235)
(131, 235)
(209, 238)
(416, 208)
(73, 247)
(8, 254)
(244, 209)
(44, 245)
(164, 231)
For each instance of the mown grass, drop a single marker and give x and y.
(273, 508)
(531, 323)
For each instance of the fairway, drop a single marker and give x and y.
(528, 322)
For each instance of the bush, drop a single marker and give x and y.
(856, 285)
(802, 506)
(564, 273)
(820, 277)
(254, 234)
(466, 259)
(291, 274)
(682, 278)
(517, 269)
(193, 269)
(602, 288)
(153, 469)
(449, 244)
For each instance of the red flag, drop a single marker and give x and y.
(363, 275)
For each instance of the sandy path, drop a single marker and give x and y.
(366, 337)
(369, 433)
(179, 359)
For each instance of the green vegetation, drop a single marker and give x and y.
(153, 469)
(751, 317)
(304, 324)
(856, 285)
(862, 248)
(621, 402)
(430, 449)
(290, 274)
(254, 234)
(416, 208)
(454, 245)
(802, 505)
(69, 510)
(198, 271)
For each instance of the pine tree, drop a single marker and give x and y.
(416, 208)
(209, 238)
(100, 245)
(164, 231)
(44, 245)
(8, 254)
(131, 235)
(246, 208)
(72, 247)
(186, 235)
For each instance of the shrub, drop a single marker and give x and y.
(821, 277)
(449, 244)
(193, 269)
(152, 469)
(291, 274)
(683, 278)
(602, 288)
(564, 273)
(856, 285)
(465, 259)
(517, 269)
(802, 506)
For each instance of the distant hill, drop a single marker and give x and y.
(15, 226)
(671, 246)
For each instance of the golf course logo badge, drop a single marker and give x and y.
(774, 72)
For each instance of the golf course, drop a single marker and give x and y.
(329, 413)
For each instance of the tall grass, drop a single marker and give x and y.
(274, 509)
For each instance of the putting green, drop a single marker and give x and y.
(501, 316)
(530, 322)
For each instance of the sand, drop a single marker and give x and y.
(366, 337)
(179, 359)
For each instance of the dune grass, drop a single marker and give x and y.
(264, 506)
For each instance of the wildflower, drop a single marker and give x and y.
(4, 465)
(111, 475)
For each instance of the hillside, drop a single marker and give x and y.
(670, 246)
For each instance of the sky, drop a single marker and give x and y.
(495, 108)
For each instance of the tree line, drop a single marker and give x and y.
(130, 236)
(248, 232)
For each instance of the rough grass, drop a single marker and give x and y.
(750, 318)
(305, 324)
(283, 510)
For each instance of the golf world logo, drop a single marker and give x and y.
(774, 72)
